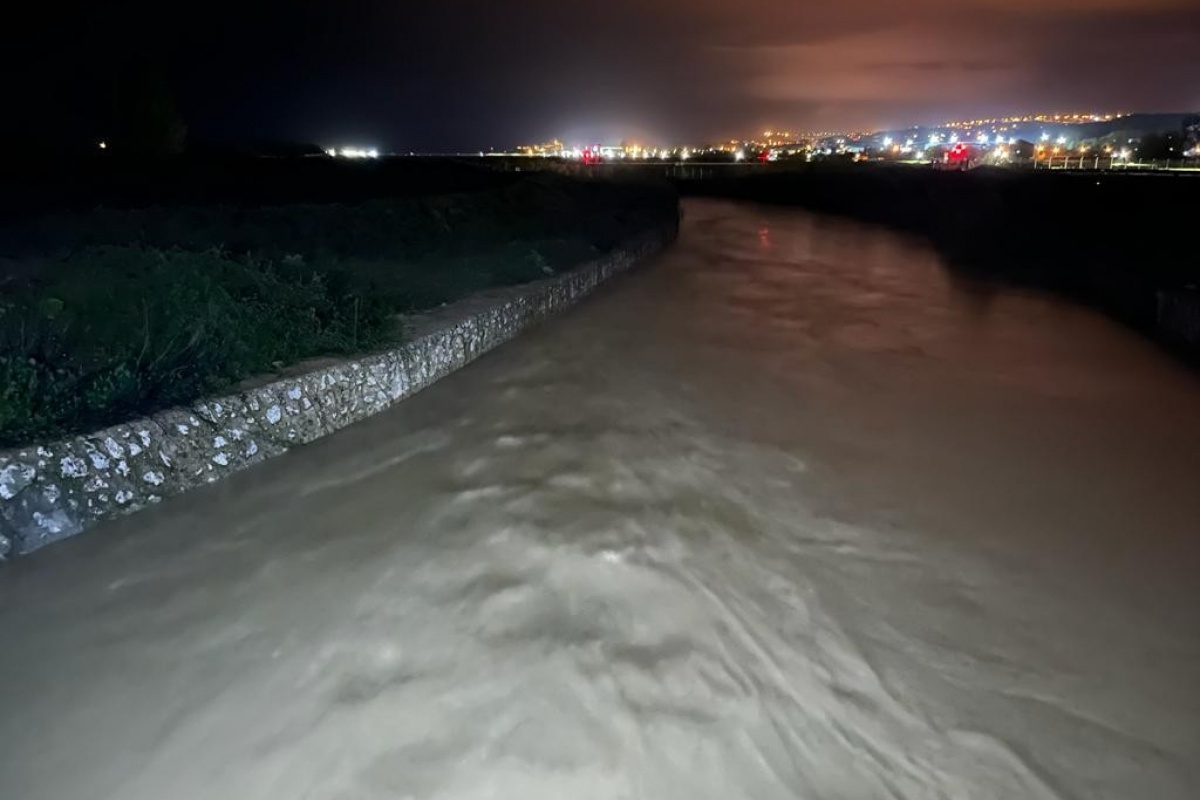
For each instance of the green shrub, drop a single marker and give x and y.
(111, 331)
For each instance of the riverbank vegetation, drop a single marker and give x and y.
(108, 312)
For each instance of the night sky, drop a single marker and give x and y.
(466, 75)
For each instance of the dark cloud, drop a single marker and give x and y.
(465, 74)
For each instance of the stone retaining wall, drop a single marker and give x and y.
(58, 489)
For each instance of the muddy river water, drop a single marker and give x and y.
(791, 512)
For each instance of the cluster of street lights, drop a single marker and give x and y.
(352, 152)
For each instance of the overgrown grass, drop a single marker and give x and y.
(113, 330)
(115, 313)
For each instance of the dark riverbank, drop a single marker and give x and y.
(1120, 242)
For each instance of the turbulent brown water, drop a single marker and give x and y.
(790, 513)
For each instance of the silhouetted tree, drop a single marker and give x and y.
(1161, 145)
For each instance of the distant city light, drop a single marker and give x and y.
(354, 152)
(998, 138)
